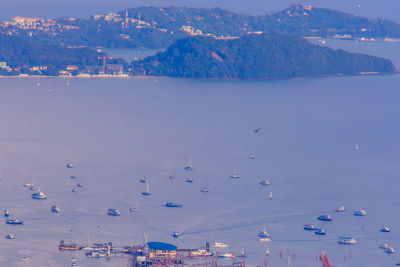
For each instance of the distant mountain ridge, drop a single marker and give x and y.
(159, 27)
(257, 56)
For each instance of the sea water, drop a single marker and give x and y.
(115, 131)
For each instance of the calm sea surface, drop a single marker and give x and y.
(116, 130)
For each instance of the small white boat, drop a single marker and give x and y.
(265, 182)
(347, 240)
(189, 164)
(25, 259)
(28, 184)
(360, 212)
(385, 229)
(189, 180)
(390, 250)
(135, 208)
(340, 209)
(264, 239)
(235, 174)
(252, 156)
(75, 189)
(113, 212)
(70, 166)
(356, 147)
(227, 255)
(270, 195)
(219, 245)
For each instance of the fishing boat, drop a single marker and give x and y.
(173, 205)
(390, 250)
(219, 245)
(189, 164)
(385, 229)
(204, 189)
(14, 221)
(72, 177)
(147, 191)
(263, 233)
(39, 195)
(6, 213)
(264, 182)
(142, 179)
(70, 166)
(325, 217)
(235, 174)
(113, 212)
(189, 180)
(176, 234)
(340, 209)
(360, 212)
(55, 209)
(320, 232)
(309, 227)
(347, 240)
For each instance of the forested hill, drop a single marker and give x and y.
(23, 54)
(156, 27)
(264, 56)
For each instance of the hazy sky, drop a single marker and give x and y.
(84, 8)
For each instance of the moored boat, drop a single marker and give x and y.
(347, 240)
(325, 217)
(219, 245)
(235, 174)
(55, 209)
(173, 205)
(360, 212)
(176, 234)
(39, 195)
(309, 227)
(390, 250)
(14, 221)
(113, 212)
(320, 232)
(264, 182)
(385, 229)
(340, 209)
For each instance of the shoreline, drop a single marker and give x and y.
(218, 79)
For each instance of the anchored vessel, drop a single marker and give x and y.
(347, 240)
(113, 212)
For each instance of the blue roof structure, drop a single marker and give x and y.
(161, 246)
